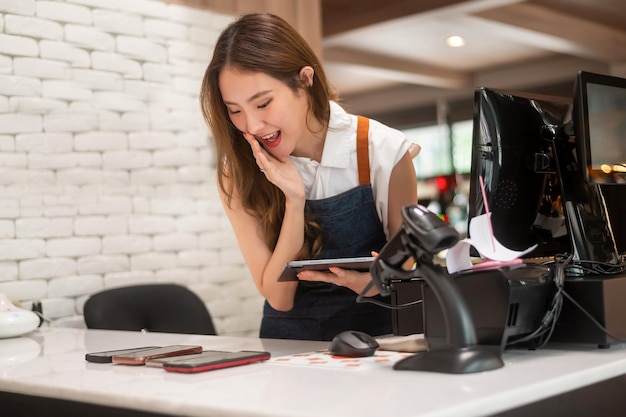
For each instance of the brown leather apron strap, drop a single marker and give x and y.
(362, 149)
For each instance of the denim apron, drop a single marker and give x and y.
(350, 227)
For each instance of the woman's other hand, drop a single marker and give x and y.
(354, 280)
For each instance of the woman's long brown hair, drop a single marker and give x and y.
(260, 42)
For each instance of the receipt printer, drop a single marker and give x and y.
(505, 304)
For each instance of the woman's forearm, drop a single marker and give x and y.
(280, 295)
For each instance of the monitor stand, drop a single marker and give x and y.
(604, 298)
(585, 211)
(601, 294)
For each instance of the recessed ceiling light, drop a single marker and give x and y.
(455, 41)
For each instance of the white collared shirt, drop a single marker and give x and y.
(338, 171)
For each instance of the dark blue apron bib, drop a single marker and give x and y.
(350, 227)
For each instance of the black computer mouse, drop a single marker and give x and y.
(353, 343)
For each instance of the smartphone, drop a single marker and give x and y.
(212, 360)
(158, 362)
(107, 355)
(140, 358)
(290, 272)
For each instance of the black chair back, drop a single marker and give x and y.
(168, 308)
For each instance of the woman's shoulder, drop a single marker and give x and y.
(386, 136)
(387, 141)
(340, 119)
(381, 136)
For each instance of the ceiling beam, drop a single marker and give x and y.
(399, 70)
(521, 77)
(568, 34)
(343, 15)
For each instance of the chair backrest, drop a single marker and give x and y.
(169, 308)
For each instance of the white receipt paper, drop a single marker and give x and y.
(482, 238)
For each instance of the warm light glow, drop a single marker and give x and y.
(455, 41)
(605, 168)
(619, 168)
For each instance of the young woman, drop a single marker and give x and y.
(292, 182)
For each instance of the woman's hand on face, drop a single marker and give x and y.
(354, 280)
(281, 172)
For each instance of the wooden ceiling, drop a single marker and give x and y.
(387, 58)
(342, 15)
(534, 45)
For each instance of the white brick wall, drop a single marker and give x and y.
(107, 175)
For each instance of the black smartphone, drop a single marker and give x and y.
(107, 355)
(140, 358)
(212, 360)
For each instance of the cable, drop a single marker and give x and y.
(591, 267)
(548, 322)
(562, 263)
(596, 322)
(361, 298)
(598, 268)
(42, 317)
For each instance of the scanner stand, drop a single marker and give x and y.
(451, 361)
(462, 354)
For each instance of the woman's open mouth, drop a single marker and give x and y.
(272, 140)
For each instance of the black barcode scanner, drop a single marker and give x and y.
(424, 234)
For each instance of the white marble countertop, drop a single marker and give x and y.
(50, 362)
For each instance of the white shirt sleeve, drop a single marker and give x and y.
(387, 147)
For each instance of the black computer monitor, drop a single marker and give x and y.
(589, 155)
(600, 130)
(600, 127)
(512, 152)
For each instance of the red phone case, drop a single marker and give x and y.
(220, 361)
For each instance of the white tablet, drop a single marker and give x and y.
(292, 268)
